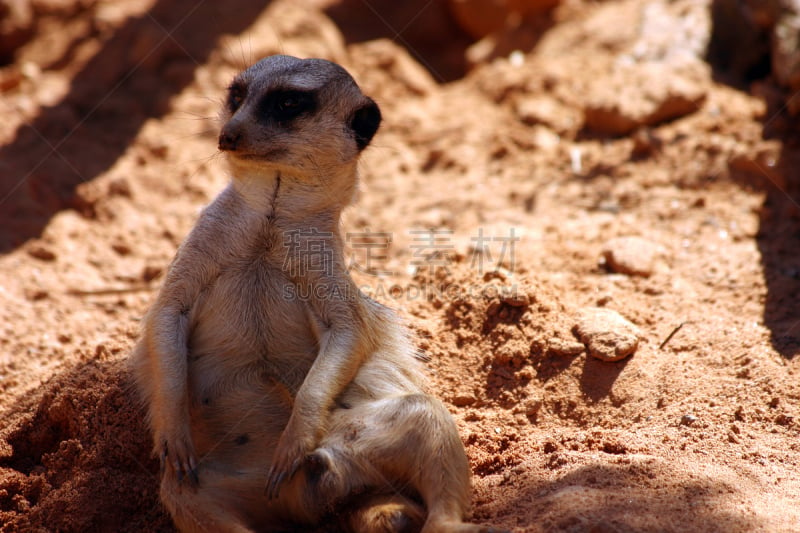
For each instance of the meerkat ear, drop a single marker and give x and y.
(365, 123)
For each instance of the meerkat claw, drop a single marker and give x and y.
(277, 475)
(274, 482)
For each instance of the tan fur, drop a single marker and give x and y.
(270, 409)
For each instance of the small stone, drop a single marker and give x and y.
(550, 447)
(150, 272)
(119, 187)
(688, 420)
(34, 295)
(101, 351)
(634, 256)
(121, 248)
(608, 336)
(564, 347)
(41, 252)
(480, 18)
(498, 273)
(463, 399)
(514, 299)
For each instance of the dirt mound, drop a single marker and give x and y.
(592, 189)
(76, 457)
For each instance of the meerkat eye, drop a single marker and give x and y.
(285, 105)
(236, 95)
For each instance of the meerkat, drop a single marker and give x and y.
(278, 394)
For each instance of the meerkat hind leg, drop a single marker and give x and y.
(409, 442)
(200, 510)
(390, 513)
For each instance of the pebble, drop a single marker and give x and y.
(479, 18)
(558, 346)
(608, 336)
(41, 252)
(463, 399)
(119, 187)
(634, 256)
(150, 272)
(121, 248)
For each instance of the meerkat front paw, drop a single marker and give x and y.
(176, 454)
(289, 456)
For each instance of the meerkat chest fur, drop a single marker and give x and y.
(254, 311)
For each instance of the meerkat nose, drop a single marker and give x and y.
(229, 141)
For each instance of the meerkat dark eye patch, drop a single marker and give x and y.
(365, 122)
(285, 105)
(236, 95)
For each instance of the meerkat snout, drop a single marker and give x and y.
(296, 113)
(228, 141)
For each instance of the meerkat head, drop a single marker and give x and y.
(300, 116)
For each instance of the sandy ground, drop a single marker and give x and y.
(492, 204)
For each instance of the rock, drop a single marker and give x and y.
(121, 247)
(463, 399)
(644, 94)
(479, 18)
(286, 27)
(36, 294)
(120, 187)
(608, 336)
(534, 110)
(634, 256)
(151, 272)
(674, 31)
(41, 252)
(564, 347)
(387, 69)
(61, 8)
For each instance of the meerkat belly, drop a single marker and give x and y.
(247, 335)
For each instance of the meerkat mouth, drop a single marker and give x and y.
(268, 156)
